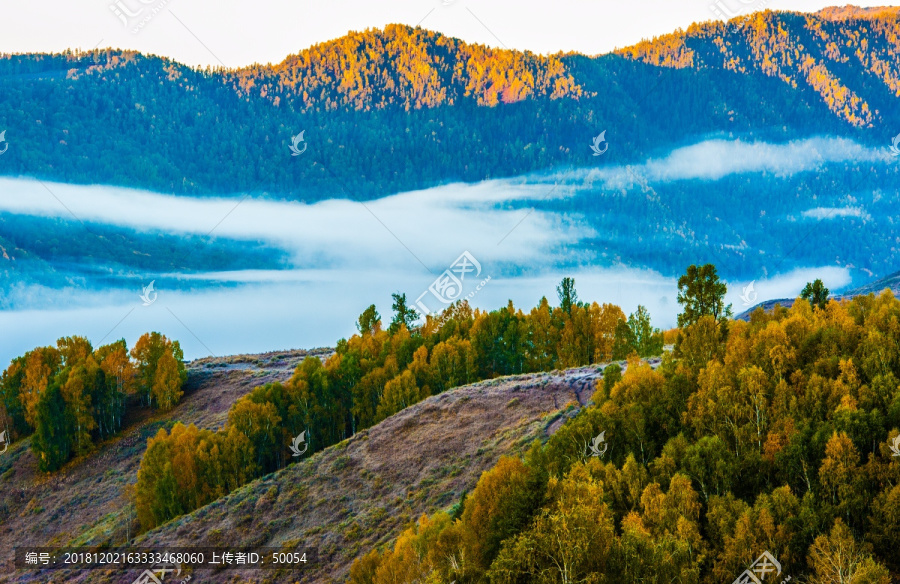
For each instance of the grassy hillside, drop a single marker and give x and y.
(346, 500)
(85, 502)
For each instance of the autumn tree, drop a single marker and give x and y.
(399, 393)
(501, 504)
(406, 562)
(571, 540)
(148, 352)
(885, 529)
(119, 382)
(12, 408)
(542, 338)
(77, 388)
(41, 365)
(452, 364)
(700, 342)
(839, 558)
(260, 423)
(363, 570)
(73, 350)
(607, 332)
(369, 321)
(576, 341)
(841, 477)
(167, 382)
(187, 468)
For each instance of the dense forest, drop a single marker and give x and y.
(373, 375)
(775, 435)
(849, 63)
(404, 108)
(70, 396)
(838, 214)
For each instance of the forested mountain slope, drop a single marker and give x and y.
(847, 57)
(402, 108)
(774, 439)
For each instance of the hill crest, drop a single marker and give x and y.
(345, 499)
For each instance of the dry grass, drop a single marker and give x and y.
(82, 504)
(345, 500)
(358, 494)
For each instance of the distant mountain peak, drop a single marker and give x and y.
(850, 12)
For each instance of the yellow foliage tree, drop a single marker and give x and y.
(166, 389)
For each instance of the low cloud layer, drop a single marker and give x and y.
(348, 254)
(716, 159)
(431, 227)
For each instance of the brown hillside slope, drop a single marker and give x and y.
(83, 503)
(358, 494)
(850, 11)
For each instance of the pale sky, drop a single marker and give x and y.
(236, 33)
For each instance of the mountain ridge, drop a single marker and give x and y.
(852, 11)
(404, 108)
